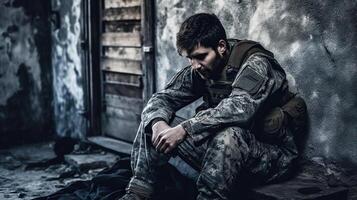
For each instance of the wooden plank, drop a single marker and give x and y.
(121, 3)
(120, 129)
(126, 53)
(123, 90)
(122, 26)
(112, 144)
(134, 105)
(123, 114)
(122, 66)
(121, 39)
(128, 13)
(120, 123)
(128, 79)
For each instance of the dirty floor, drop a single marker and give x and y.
(21, 178)
(27, 172)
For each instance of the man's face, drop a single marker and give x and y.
(205, 60)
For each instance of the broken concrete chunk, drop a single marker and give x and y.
(85, 162)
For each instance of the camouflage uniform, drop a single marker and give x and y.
(222, 142)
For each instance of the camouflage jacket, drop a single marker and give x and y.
(246, 93)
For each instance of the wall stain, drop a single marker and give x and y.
(68, 68)
(25, 78)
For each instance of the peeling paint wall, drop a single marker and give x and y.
(25, 71)
(69, 102)
(316, 43)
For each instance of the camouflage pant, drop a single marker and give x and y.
(221, 161)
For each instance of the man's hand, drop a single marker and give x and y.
(157, 128)
(168, 139)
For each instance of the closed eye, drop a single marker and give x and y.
(200, 56)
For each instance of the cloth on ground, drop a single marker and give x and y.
(111, 183)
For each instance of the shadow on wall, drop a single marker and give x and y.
(25, 72)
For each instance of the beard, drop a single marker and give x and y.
(214, 70)
(217, 66)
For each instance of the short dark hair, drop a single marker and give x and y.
(200, 29)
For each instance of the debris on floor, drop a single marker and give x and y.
(38, 170)
(318, 179)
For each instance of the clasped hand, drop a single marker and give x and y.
(166, 138)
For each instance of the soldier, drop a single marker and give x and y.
(245, 125)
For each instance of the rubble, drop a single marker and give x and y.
(35, 170)
(31, 171)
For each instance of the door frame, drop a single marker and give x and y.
(94, 87)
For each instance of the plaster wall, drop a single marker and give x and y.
(315, 42)
(25, 71)
(69, 102)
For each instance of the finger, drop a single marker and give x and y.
(169, 149)
(163, 147)
(153, 137)
(157, 139)
(160, 143)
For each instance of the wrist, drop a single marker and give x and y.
(181, 129)
(157, 124)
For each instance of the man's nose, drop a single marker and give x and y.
(195, 64)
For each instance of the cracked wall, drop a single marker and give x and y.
(68, 70)
(316, 43)
(25, 71)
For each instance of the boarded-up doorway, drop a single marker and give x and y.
(126, 67)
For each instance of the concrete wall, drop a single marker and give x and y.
(69, 102)
(316, 43)
(25, 71)
(41, 70)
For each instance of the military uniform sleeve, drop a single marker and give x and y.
(178, 93)
(250, 89)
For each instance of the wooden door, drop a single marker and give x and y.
(126, 66)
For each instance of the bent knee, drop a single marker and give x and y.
(230, 137)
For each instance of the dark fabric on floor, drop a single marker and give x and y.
(110, 184)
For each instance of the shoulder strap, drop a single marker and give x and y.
(242, 49)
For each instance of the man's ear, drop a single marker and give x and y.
(222, 47)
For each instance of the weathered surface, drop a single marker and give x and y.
(120, 3)
(125, 13)
(112, 144)
(18, 180)
(300, 189)
(122, 66)
(68, 70)
(25, 71)
(85, 162)
(121, 39)
(317, 179)
(317, 50)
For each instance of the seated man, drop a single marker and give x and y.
(242, 128)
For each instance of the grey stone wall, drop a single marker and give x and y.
(41, 71)
(69, 102)
(316, 43)
(25, 71)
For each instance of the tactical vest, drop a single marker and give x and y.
(241, 50)
(271, 120)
